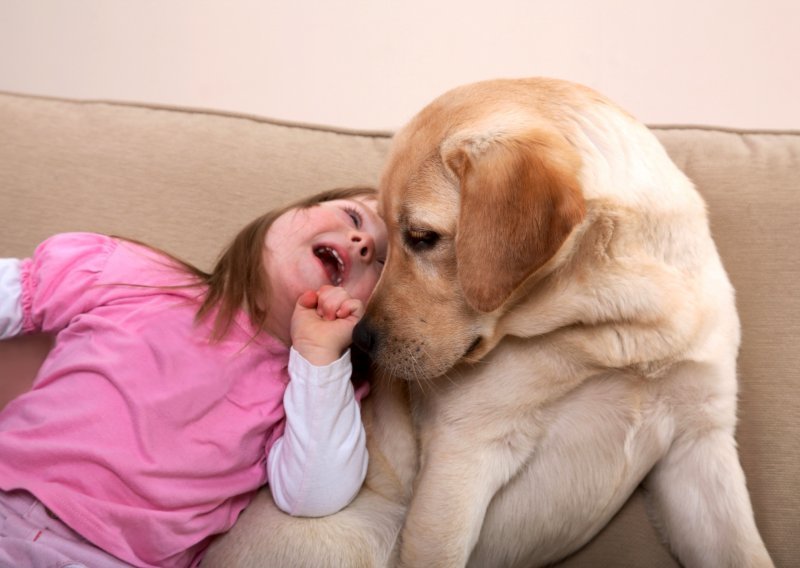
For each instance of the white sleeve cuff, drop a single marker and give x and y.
(10, 297)
(317, 467)
(300, 369)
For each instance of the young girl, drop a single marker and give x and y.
(171, 395)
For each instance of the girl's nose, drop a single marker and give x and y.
(364, 245)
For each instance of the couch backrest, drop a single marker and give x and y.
(183, 180)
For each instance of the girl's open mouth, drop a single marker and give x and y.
(333, 263)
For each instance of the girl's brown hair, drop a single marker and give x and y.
(238, 279)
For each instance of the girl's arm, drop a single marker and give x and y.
(317, 467)
(10, 298)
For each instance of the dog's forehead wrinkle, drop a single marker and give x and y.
(437, 212)
(426, 219)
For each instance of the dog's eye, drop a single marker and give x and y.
(420, 239)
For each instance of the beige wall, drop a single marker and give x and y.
(372, 63)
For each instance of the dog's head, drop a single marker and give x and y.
(480, 192)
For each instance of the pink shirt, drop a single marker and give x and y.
(139, 433)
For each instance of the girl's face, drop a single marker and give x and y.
(340, 243)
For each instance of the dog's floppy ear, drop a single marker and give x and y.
(520, 199)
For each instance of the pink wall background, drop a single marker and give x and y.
(373, 63)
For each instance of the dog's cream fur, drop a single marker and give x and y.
(566, 330)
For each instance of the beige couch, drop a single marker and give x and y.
(186, 180)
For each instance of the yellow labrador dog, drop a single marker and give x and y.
(558, 311)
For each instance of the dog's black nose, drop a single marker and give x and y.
(364, 337)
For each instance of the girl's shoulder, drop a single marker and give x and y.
(71, 274)
(69, 256)
(75, 244)
(110, 260)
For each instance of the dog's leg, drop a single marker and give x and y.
(702, 506)
(476, 434)
(447, 512)
(456, 484)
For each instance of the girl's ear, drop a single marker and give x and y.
(520, 199)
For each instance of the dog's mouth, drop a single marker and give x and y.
(332, 262)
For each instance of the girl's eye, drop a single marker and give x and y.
(354, 215)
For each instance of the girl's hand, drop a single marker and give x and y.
(322, 324)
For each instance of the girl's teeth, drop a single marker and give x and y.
(331, 254)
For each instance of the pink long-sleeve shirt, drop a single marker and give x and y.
(140, 433)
